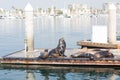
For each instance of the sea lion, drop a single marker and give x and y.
(83, 55)
(104, 54)
(44, 54)
(61, 47)
(59, 50)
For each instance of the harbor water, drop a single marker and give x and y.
(47, 31)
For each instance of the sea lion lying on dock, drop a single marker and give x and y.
(83, 55)
(99, 54)
(103, 54)
(59, 50)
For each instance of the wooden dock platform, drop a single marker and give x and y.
(90, 44)
(20, 57)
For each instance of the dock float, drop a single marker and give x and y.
(90, 44)
(60, 62)
(20, 58)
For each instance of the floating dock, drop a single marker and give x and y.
(21, 57)
(90, 44)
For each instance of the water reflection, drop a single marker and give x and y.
(113, 77)
(34, 72)
(30, 75)
(78, 74)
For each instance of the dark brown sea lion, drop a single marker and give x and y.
(104, 54)
(59, 50)
(83, 55)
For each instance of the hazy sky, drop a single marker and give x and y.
(7, 4)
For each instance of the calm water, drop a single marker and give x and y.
(59, 73)
(47, 31)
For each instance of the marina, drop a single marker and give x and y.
(74, 45)
(62, 56)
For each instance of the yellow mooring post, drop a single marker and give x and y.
(29, 30)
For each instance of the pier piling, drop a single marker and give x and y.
(29, 36)
(112, 23)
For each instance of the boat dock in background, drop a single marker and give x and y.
(90, 44)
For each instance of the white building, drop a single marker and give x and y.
(118, 7)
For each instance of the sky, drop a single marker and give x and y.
(7, 4)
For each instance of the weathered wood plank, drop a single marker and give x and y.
(96, 45)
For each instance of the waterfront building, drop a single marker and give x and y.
(105, 7)
(53, 11)
(84, 9)
(66, 13)
(78, 9)
(2, 13)
(74, 9)
(118, 7)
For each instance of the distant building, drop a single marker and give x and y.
(105, 7)
(77, 9)
(118, 7)
(84, 9)
(74, 9)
